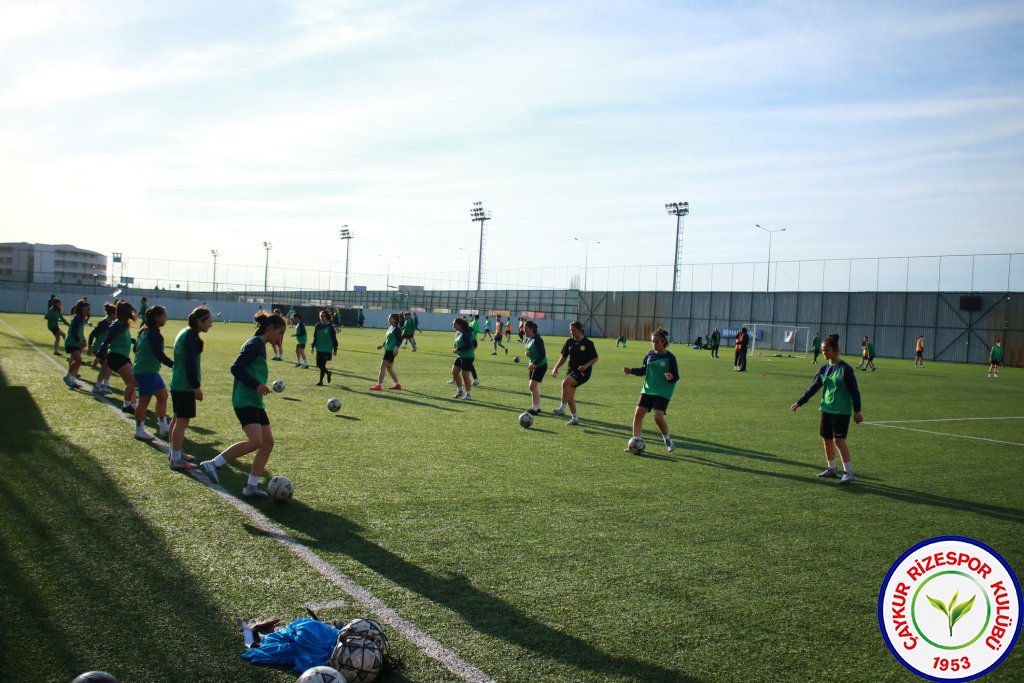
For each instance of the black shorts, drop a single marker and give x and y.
(465, 364)
(300, 345)
(474, 343)
(408, 337)
(116, 361)
(834, 426)
(389, 356)
(184, 404)
(250, 415)
(653, 402)
(919, 354)
(580, 377)
(538, 373)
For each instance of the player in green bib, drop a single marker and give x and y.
(840, 397)
(116, 349)
(462, 369)
(408, 330)
(75, 342)
(816, 347)
(301, 338)
(143, 307)
(54, 316)
(538, 363)
(661, 373)
(102, 384)
(867, 358)
(392, 340)
(251, 372)
(186, 382)
(149, 355)
(325, 343)
(995, 359)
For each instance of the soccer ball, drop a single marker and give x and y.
(94, 677)
(365, 628)
(358, 659)
(334, 405)
(515, 359)
(278, 385)
(526, 420)
(280, 489)
(636, 445)
(321, 674)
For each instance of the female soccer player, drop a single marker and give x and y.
(499, 330)
(116, 347)
(716, 341)
(325, 343)
(462, 369)
(102, 384)
(278, 348)
(300, 340)
(867, 359)
(250, 372)
(660, 372)
(742, 343)
(840, 398)
(408, 330)
(54, 316)
(582, 355)
(538, 363)
(186, 382)
(816, 347)
(75, 342)
(995, 359)
(919, 352)
(392, 340)
(149, 354)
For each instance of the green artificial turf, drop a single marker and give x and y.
(544, 554)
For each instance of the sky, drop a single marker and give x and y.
(163, 130)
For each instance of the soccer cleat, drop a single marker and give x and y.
(181, 464)
(506, 352)
(573, 421)
(468, 396)
(210, 470)
(395, 386)
(476, 383)
(558, 411)
(143, 435)
(494, 353)
(128, 409)
(534, 411)
(376, 387)
(298, 365)
(847, 478)
(97, 391)
(254, 492)
(827, 473)
(458, 394)
(670, 446)
(319, 384)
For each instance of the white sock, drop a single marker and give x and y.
(536, 406)
(667, 438)
(175, 455)
(219, 461)
(574, 416)
(253, 480)
(561, 406)
(831, 464)
(139, 426)
(848, 466)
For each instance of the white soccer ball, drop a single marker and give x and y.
(358, 659)
(321, 674)
(278, 385)
(526, 420)
(515, 359)
(280, 489)
(636, 445)
(334, 405)
(365, 628)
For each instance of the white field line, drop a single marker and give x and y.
(432, 648)
(941, 419)
(957, 436)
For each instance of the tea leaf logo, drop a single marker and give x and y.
(953, 611)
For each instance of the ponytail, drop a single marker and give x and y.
(194, 318)
(125, 312)
(662, 334)
(832, 341)
(264, 320)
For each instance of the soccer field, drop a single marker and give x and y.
(542, 554)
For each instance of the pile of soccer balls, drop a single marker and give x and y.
(358, 657)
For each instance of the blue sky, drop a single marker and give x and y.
(166, 129)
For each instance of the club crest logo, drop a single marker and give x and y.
(949, 609)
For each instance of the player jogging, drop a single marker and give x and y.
(102, 384)
(54, 316)
(408, 331)
(462, 368)
(278, 348)
(840, 397)
(538, 363)
(919, 353)
(325, 343)
(995, 359)
(300, 341)
(661, 373)
(250, 372)
(392, 340)
(149, 354)
(582, 355)
(186, 382)
(474, 330)
(499, 330)
(816, 347)
(487, 327)
(75, 342)
(115, 350)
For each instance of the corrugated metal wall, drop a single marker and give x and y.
(892, 320)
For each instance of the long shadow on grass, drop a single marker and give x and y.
(482, 611)
(394, 396)
(87, 583)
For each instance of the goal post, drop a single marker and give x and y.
(781, 341)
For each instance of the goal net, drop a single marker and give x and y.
(781, 341)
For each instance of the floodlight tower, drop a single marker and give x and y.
(215, 254)
(680, 210)
(347, 237)
(586, 258)
(266, 265)
(478, 213)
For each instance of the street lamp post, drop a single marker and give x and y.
(347, 237)
(680, 210)
(478, 213)
(767, 277)
(215, 254)
(586, 258)
(387, 284)
(266, 266)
